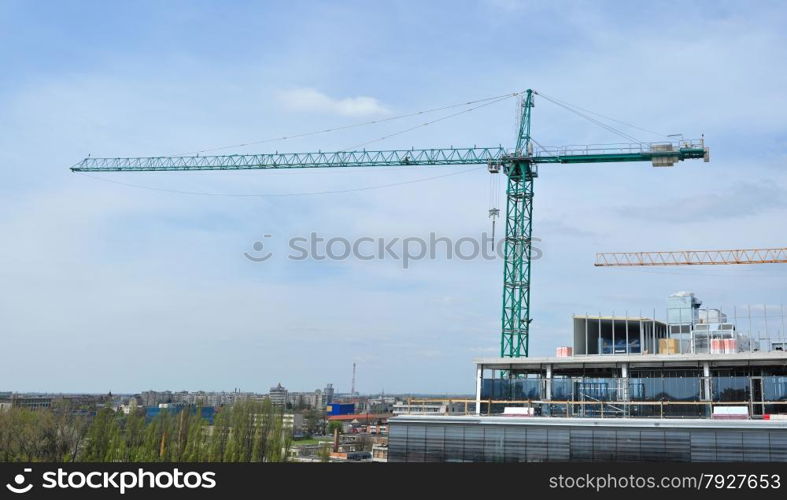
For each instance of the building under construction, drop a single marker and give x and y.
(621, 372)
(695, 387)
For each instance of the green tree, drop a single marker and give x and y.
(333, 426)
(218, 436)
(134, 437)
(195, 449)
(101, 434)
(243, 431)
(20, 437)
(248, 431)
(265, 420)
(313, 420)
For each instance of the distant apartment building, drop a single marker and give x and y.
(315, 399)
(278, 395)
(29, 402)
(380, 404)
(327, 395)
(154, 398)
(305, 399)
(293, 421)
(198, 398)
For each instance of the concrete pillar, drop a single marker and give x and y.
(706, 381)
(548, 384)
(624, 381)
(479, 373)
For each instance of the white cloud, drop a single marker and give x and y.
(742, 199)
(306, 99)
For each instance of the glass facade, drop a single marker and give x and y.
(647, 392)
(597, 389)
(774, 388)
(513, 389)
(665, 385)
(498, 442)
(562, 389)
(730, 388)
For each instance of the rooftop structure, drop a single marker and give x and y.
(697, 364)
(617, 334)
(621, 366)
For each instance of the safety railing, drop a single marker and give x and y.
(620, 148)
(598, 408)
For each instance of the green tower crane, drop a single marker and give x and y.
(519, 165)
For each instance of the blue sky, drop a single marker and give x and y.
(113, 287)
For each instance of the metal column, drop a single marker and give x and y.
(479, 372)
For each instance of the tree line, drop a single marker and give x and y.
(247, 431)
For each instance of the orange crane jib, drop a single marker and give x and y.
(693, 257)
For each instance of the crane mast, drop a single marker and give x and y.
(520, 166)
(520, 170)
